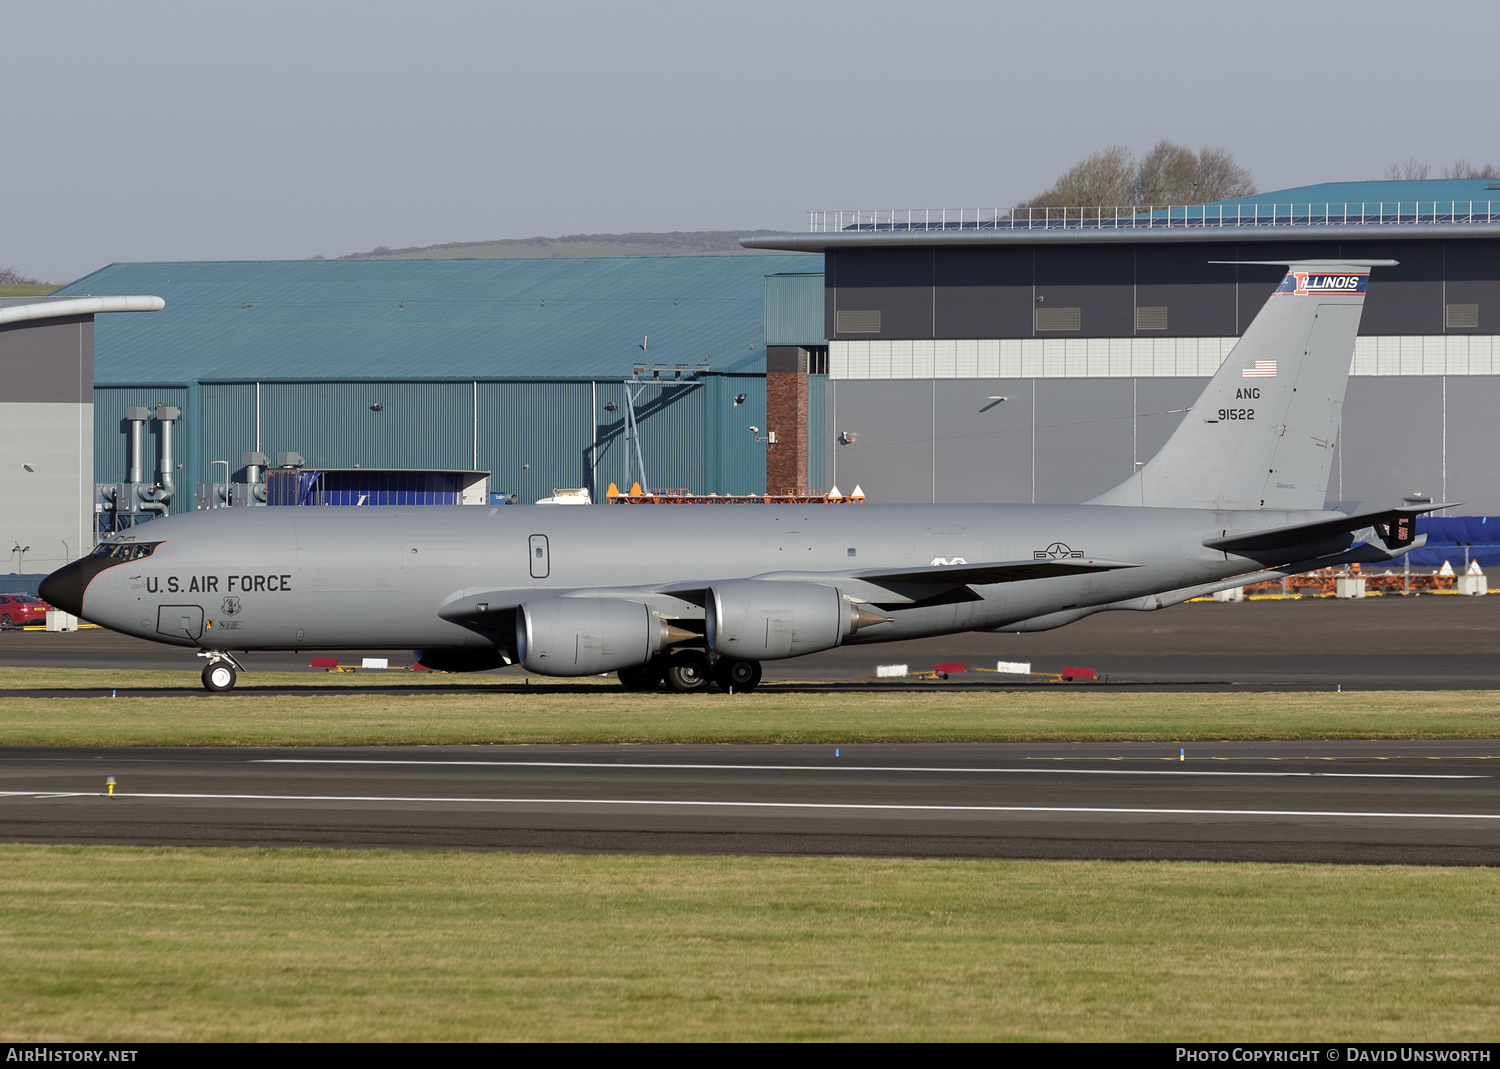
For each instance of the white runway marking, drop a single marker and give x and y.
(691, 803)
(858, 768)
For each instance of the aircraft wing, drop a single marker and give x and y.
(1394, 526)
(490, 609)
(1013, 571)
(936, 584)
(485, 610)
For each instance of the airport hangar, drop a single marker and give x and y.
(879, 371)
(1099, 328)
(511, 370)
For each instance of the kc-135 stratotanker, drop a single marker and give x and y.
(702, 594)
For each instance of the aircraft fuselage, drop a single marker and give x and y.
(380, 578)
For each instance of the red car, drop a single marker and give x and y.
(18, 610)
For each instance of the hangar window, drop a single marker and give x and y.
(1059, 319)
(857, 322)
(1150, 319)
(1461, 316)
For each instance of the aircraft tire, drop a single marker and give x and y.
(742, 676)
(218, 676)
(687, 672)
(641, 676)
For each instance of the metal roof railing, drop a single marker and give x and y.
(1159, 217)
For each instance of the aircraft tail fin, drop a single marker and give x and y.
(1262, 433)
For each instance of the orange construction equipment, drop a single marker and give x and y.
(797, 495)
(1324, 583)
(801, 496)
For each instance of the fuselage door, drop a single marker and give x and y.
(540, 564)
(180, 621)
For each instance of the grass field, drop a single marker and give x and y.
(605, 713)
(140, 944)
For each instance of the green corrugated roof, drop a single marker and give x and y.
(1442, 190)
(339, 319)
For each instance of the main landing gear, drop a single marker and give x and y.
(688, 672)
(221, 671)
(691, 672)
(738, 676)
(641, 677)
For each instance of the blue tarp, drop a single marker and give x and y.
(1449, 537)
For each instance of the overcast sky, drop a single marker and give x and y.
(197, 131)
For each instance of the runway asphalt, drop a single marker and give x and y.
(1418, 643)
(1421, 802)
(1434, 802)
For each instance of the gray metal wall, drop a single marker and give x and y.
(1065, 440)
(1431, 435)
(794, 310)
(46, 443)
(994, 291)
(50, 360)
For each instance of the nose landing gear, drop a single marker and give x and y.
(221, 671)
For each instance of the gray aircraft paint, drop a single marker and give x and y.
(1255, 440)
(452, 578)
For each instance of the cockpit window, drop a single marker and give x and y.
(124, 551)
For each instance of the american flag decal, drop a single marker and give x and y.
(1263, 369)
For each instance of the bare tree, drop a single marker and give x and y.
(9, 276)
(1220, 177)
(1168, 174)
(1410, 169)
(1462, 168)
(1105, 178)
(1174, 174)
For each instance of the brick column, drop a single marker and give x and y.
(786, 414)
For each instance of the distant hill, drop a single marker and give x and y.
(677, 243)
(15, 284)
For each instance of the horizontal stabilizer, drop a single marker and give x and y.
(1310, 264)
(1340, 262)
(984, 574)
(1395, 526)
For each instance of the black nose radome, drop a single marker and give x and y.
(65, 587)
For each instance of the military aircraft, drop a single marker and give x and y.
(699, 594)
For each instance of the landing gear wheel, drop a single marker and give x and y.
(641, 676)
(687, 672)
(219, 676)
(742, 676)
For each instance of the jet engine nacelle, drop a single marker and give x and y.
(767, 620)
(587, 636)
